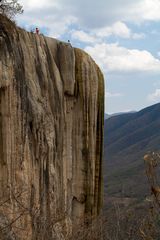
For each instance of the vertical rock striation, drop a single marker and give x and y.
(51, 135)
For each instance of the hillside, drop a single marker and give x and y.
(107, 116)
(127, 138)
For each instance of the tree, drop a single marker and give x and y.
(10, 8)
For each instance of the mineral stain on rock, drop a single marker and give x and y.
(51, 135)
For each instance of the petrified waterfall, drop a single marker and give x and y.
(51, 135)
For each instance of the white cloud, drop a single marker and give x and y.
(111, 95)
(150, 9)
(55, 26)
(46, 14)
(155, 96)
(112, 57)
(101, 13)
(56, 15)
(118, 29)
(36, 4)
(83, 36)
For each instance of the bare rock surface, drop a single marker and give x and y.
(51, 135)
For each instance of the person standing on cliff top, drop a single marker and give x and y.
(37, 30)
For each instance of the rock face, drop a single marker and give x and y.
(51, 135)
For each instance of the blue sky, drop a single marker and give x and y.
(122, 36)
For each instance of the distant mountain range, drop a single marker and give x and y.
(116, 114)
(127, 137)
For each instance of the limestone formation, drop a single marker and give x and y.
(51, 136)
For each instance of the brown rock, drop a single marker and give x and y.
(51, 135)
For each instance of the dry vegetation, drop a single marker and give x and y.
(121, 224)
(136, 221)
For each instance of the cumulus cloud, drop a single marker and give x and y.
(112, 57)
(57, 15)
(36, 4)
(54, 27)
(118, 29)
(150, 9)
(155, 96)
(100, 13)
(83, 36)
(46, 14)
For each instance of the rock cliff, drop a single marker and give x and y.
(51, 135)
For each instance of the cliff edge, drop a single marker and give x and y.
(51, 135)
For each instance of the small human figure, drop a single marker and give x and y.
(37, 30)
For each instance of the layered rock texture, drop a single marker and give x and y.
(51, 136)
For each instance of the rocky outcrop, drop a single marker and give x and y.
(51, 135)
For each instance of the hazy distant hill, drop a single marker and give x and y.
(106, 116)
(116, 114)
(127, 138)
